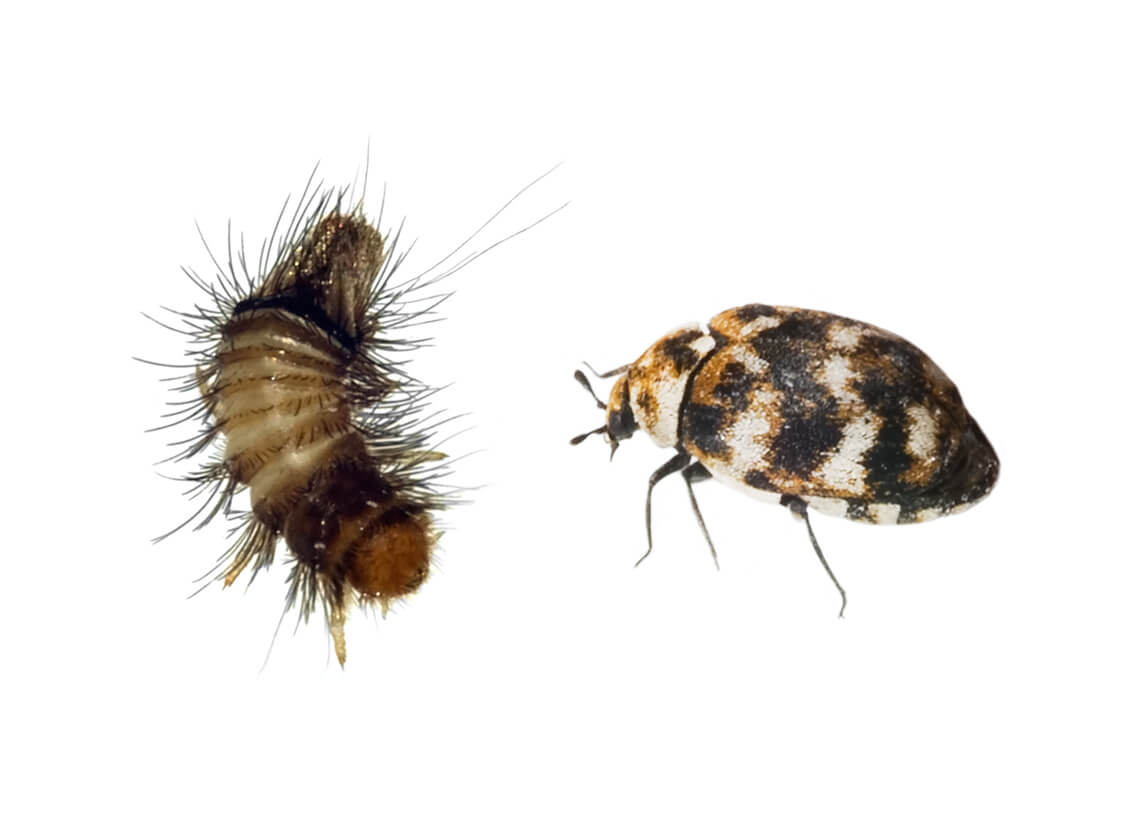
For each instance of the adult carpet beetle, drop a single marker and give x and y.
(807, 409)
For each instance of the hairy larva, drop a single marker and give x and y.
(297, 380)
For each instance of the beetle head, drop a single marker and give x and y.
(620, 423)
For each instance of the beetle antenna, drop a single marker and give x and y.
(608, 373)
(581, 379)
(798, 507)
(574, 441)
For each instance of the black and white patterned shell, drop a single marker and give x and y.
(852, 419)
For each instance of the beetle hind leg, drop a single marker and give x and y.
(799, 509)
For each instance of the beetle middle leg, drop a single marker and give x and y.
(693, 473)
(678, 461)
(799, 509)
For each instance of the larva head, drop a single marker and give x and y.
(620, 422)
(393, 559)
(344, 246)
(329, 276)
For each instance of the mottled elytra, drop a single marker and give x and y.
(807, 409)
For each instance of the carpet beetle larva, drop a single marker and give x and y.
(807, 409)
(297, 379)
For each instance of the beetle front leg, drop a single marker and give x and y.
(678, 461)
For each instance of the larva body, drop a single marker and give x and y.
(297, 370)
(807, 409)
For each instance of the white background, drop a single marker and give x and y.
(965, 174)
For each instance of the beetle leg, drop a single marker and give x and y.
(799, 509)
(692, 473)
(671, 466)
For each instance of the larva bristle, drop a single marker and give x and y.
(297, 378)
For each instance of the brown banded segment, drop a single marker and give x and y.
(275, 343)
(350, 525)
(273, 329)
(279, 398)
(391, 558)
(310, 391)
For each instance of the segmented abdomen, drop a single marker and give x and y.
(281, 404)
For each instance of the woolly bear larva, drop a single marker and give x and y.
(298, 382)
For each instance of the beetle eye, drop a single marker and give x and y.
(620, 423)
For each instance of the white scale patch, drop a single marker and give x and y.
(704, 345)
(753, 363)
(669, 391)
(844, 470)
(760, 322)
(884, 514)
(837, 375)
(826, 506)
(745, 440)
(845, 336)
(881, 514)
(921, 433)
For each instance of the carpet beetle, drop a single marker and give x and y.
(807, 409)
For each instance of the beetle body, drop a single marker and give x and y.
(808, 409)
